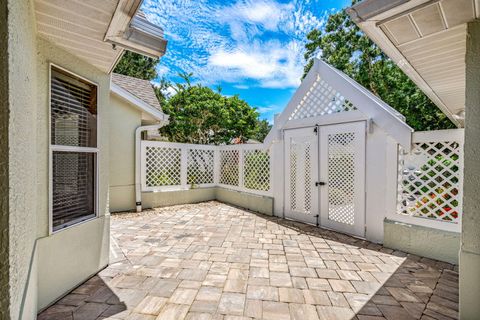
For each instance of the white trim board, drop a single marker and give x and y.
(140, 104)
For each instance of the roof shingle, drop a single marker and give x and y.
(141, 89)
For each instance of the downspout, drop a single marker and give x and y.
(138, 156)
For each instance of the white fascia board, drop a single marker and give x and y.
(376, 34)
(124, 20)
(382, 114)
(140, 104)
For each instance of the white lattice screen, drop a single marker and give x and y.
(321, 99)
(256, 170)
(183, 166)
(430, 180)
(229, 167)
(162, 166)
(301, 177)
(341, 177)
(200, 167)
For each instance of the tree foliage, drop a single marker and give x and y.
(344, 46)
(200, 115)
(197, 113)
(136, 65)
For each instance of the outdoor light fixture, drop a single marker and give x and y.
(145, 34)
(139, 36)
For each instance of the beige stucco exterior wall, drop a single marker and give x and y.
(22, 149)
(124, 119)
(4, 107)
(41, 267)
(470, 243)
(70, 256)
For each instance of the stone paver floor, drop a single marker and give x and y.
(215, 261)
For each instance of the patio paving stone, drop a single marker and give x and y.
(215, 261)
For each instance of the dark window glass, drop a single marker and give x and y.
(73, 187)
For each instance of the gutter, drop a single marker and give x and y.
(367, 9)
(138, 161)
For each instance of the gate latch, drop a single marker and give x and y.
(319, 184)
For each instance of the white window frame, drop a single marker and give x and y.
(53, 148)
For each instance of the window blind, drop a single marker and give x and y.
(73, 125)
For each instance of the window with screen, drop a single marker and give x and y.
(73, 120)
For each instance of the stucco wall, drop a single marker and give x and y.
(470, 243)
(171, 198)
(4, 263)
(422, 241)
(256, 203)
(88, 241)
(22, 148)
(124, 119)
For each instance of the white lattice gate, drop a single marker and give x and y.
(301, 174)
(325, 176)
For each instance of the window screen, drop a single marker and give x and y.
(73, 144)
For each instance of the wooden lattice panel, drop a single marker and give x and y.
(300, 176)
(257, 170)
(229, 167)
(162, 166)
(321, 99)
(341, 177)
(429, 181)
(200, 166)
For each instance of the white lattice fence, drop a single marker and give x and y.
(174, 166)
(430, 179)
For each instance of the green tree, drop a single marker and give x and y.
(262, 129)
(200, 115)
(344, 46)
(136, 65)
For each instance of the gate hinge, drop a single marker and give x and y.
(315, 129)
(321, 183)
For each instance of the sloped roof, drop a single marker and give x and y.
(340, 93)
(142, 89)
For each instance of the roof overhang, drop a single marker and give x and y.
(141, 105)
(98, 31)
(427, 40)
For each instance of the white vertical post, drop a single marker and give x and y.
(216, 166)
(240, 167)
(183, 166)
(143, 165)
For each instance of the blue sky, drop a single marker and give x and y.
(253, 48)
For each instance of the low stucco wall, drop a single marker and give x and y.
(63, 267)
(422, 241)
(252, 202)
(171, 198)
(256, 203)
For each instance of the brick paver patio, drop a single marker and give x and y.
(215, 261)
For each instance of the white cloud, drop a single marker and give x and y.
(259, 41)
(245, 14)
(271, 64)
(241, 86)
(265, 109)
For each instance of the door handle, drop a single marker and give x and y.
(319, 184)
